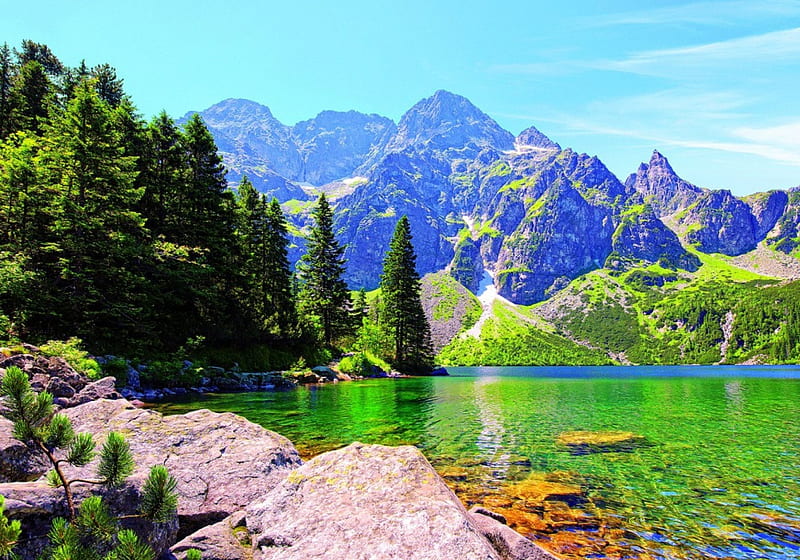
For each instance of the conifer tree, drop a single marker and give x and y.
(7, 71)
(277, 277)
(324, 293)
(403, 315)
(31, 97)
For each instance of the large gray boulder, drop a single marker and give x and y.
(364, 502)
(221, 461)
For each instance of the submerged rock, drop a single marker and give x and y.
(583, 442)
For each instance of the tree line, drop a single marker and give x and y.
(124, 233)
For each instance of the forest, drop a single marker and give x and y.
(124, 234)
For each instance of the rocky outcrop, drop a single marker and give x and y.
(532, 138)
(641, 236)
(661, 187)
(221, 461)
(467, 266)
(720, 223)
(767, 208)
(785, 236)
(54, 375)
(364, 502)
(227, 540)
(561, 237)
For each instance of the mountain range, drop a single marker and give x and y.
(522, 212)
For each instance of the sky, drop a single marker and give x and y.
(713, 85)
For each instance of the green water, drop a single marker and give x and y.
(719, 475)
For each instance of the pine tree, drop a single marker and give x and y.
(324, 293)
(403, 315)
(31, 97)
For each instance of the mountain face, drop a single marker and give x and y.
(333, 144)
(536, 215)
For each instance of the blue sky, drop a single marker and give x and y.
(713, 85)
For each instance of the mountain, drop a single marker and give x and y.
(549, 225)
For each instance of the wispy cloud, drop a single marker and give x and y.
(773, 47)
(778, 143)
(701, 13)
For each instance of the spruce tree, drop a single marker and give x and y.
(403, 316)
(324, 293)
(277, 272)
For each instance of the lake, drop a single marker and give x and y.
(711, 469)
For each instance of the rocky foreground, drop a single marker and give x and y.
(244, 493)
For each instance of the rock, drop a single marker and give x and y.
(720, 223)
(226, 540)
(59, 388)
(364, 502)
(641, 236)
(324, 371)
(35, 504)
(661, 186)
(439, 372)
(18, 462)
(221, 461)
(509, 544)
(534, 491)
(101, 389)
(533, 138)
(308, 378)
(583, 442)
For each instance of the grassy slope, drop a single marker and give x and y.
(645, 315)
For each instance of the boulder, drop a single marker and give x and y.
(101, 389)
(226, 540)
(59, 388)
(18, 463)
(364, 502)
(222, 462)
(506, 541)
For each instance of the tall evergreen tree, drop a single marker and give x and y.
(31, 97)
(277, 278)
(324, 292)
(7, 71)
(93, 287)
(403, 315)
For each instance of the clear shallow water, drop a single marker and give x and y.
(717, 475)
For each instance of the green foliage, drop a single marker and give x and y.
(81, 448)
(71, 350)
(116, 460)
(9, 533)
(94, 534)
(193, 554)
(159, 501)
(118, 369)
(507, 339)
(362, 363)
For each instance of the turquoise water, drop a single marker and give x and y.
(717, 474)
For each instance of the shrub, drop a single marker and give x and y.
(75, 356)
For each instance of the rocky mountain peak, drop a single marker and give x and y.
(659, 162)
(662, 187)
(532, 137)
(446, 120)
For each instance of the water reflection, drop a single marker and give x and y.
(719, 477)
